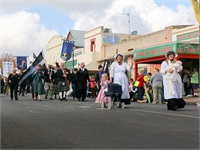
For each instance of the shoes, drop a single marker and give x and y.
(50, 98)
(45, 97)
(154, 103)
(16, 98)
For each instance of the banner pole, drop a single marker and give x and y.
(44, 58)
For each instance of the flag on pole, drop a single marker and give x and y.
(196, 8)
(34, 56)
(67, 49)
(105, 68)
(22, 62)
(26, 77)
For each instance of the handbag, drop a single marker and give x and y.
(136, 83)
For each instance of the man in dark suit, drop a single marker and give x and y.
(83, 77)
(98, 76)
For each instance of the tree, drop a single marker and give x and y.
(5, 57)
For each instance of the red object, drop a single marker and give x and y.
(92, 83)
(141, 80)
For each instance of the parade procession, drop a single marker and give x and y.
(97, 86)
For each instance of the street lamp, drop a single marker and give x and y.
(129, 30)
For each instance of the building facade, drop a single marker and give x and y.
(53, 49)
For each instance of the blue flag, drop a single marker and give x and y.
(67, 49)
(22, 62)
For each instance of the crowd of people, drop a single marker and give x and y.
(58, 82)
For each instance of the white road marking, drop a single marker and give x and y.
(162, 113)
(84, 106)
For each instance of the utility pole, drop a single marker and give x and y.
(129, 30)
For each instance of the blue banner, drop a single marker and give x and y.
(22, 62)
(67, 49)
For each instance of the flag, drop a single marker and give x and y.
(67, 49)
(22, 62)
(7, 68)
(34, 56)
(26, 77)
(105, 68)
(196, 8)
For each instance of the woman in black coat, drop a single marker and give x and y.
(13, 80)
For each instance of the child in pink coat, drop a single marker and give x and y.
(101, 98)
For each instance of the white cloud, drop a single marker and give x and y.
(146, 16)
(22, 33)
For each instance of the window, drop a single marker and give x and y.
(92, 45)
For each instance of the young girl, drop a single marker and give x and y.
(101, 98)
(93, 86)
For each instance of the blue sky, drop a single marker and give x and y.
(53, 18)
(173, 3)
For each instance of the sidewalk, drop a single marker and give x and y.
(191, 100)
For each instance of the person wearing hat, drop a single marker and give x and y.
(118, 76)
(98, 76)
(172, 82)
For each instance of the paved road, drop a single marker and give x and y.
(26, 124)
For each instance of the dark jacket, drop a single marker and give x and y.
(47, 75)
(14, 79)
(83, 76)
(73, 78)
(98, 77)
(60, 76)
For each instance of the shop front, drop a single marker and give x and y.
(187, 53)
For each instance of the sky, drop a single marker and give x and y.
(26, 26)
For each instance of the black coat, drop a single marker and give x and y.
(47, 75)
(73, 78)
(97, 77)
(60, 76)
(83, 76)
(14, 79)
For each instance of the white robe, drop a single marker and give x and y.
(172, 88)
(118, 73)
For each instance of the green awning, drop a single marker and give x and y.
(188, 36)
(69, 64)
(180, 48)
